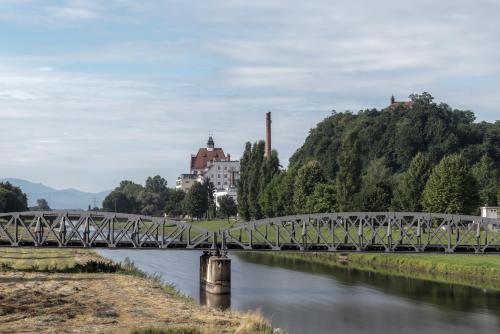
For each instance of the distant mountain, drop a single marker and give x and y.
(58, 199)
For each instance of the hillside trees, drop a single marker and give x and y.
(410, 185)
(348, 180)
(379, 160)
(308, 177)
(451, 188)
(487, 180)
(12, 199)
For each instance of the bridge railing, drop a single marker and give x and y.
(349, 231)
(369, 231)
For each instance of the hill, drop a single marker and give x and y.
(58, 199)
(396, 134)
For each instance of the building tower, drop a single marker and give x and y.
(210, 144)
(268, 135)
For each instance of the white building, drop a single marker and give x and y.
(223, 174)
(233, 192)
(185, 181)
(490, 212)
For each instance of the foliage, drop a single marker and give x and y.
(451, 188)
(42, 205)
(227, 206)
(409, 187)
(376, 188)
(173, 206)
(323, 199)
(349, 170)
(487, 179)
(256, 172)
(308, 176)
(12, 199)
(196, 201)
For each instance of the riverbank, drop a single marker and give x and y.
(77, 291)
(481, 271)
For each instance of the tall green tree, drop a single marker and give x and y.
(451, 188)
(173, 206)
(486, 176)
(308, 176)
(410, 186)
(227, 206)
(323, 199)
(244, 182)
(119, 201)
(376, 188)
(12, 199)
(348, 181)
(196, 201)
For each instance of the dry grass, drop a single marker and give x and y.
(57, 302)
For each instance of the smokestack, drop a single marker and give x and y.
(268, 134)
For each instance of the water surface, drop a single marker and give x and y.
(311, 298)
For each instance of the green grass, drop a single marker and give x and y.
(473, 270)
(214, 225)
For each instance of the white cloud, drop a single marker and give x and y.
(142, 98)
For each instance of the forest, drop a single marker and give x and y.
(414, 156)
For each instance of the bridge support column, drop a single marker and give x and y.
(215, 273)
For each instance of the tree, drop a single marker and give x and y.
(227, 206)
(124, 198)
(196, 201)
(323, 199)
(348, 176)
(243, 183)
(210, 193)
(12, 199)
(409, 188)
(486, 177)
(173, 207)
(42, 205)
(308, 176)
(154, 196)
(118, 201)
(376, 188)
(451, 188)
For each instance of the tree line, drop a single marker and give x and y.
(421, 156)
(155, 198)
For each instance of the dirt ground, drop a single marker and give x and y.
(97, 303)
(37, 302)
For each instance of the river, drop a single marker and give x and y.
(311, 298)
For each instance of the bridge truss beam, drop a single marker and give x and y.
(354, 231)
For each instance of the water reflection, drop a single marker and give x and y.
(222, 302)
(450, 296)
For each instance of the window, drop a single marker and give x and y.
(225, 167)
(225, 175)
(218, 176)
(218, 167)
(218, 183)
(225, 183)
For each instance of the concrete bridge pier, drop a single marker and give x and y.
(215, 273)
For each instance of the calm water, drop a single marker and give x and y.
(308, 298)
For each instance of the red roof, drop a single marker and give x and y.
(201, 159)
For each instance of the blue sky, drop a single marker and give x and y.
(93, 92)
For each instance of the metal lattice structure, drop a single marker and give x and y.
(352, 231)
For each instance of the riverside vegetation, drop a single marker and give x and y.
(481, 271)
(77, 291)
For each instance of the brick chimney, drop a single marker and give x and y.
(268, 134)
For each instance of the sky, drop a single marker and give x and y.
(94, 92)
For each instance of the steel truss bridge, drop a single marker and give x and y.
(349, 231)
